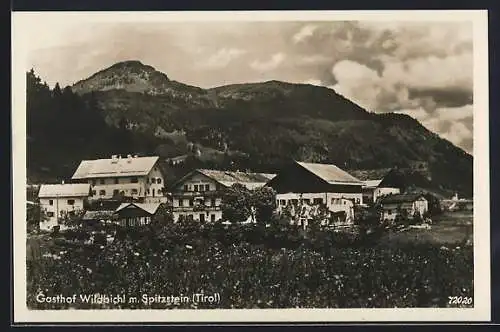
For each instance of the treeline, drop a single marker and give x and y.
(64, 128)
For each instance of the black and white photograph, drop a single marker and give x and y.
(251, 166)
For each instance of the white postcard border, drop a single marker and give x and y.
(481, 226)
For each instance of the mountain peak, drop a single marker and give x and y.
(131, 64)
(129, 75)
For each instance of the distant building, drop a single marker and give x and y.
(198, 195)
(374, 189)
(136, 177)
(56, 200)
(313, 184)
(179, 160)
(393, 205)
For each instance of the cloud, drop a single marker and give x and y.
(454, 124)
(423, 67)
(305, 32)
(222, 58)
(270, 64)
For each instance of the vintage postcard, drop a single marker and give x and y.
(271, 166)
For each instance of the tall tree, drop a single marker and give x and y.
(236, 204)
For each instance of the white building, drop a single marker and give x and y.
(374, 189)
(198, 195)
(137, 177)
(314, 184)
(56, 200)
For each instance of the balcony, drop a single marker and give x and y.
(189, 194)
(195, 208)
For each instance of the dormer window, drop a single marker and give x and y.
(134, 180)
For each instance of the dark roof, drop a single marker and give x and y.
(149, 208)
(330, 173)
(400, 198)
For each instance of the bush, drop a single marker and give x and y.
(254, 275)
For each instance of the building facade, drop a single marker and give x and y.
(313, 184)
(374, 189)
(131, 176)
(410, 204)
(199, 194)
(57, 200)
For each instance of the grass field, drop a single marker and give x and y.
(450, 228)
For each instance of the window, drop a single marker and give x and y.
(358, 200)
(283, 202)
(191, 202)
(190, 217)
(207, 187)
(195, 187)
(92, 182)
(102, 192)
(152, 180)
(389, 211)
(134, 180)
(160, 191)
(71, 202)
(101, 181)
(214, 202)
(147, 191)
(186, 188)
(116, 181)
(212, 217)
(50, 214)
(158, 180)
(51, 202)
(318, 200)
(115, 192)
(181, 201)
(134, 191)
(202, 217)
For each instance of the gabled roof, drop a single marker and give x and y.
(400, 198)
(64, 190)
(372, 183)
(227, 178)
(150, 208)
(114, 167)
(330, 173)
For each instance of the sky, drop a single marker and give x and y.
(422, 69)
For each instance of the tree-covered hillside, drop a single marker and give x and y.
(132, 108)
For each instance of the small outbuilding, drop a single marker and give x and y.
(135, 214)
(409, 204)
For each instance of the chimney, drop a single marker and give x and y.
(129, 156)
(62, 182)
(113, 156)
(135, 156)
